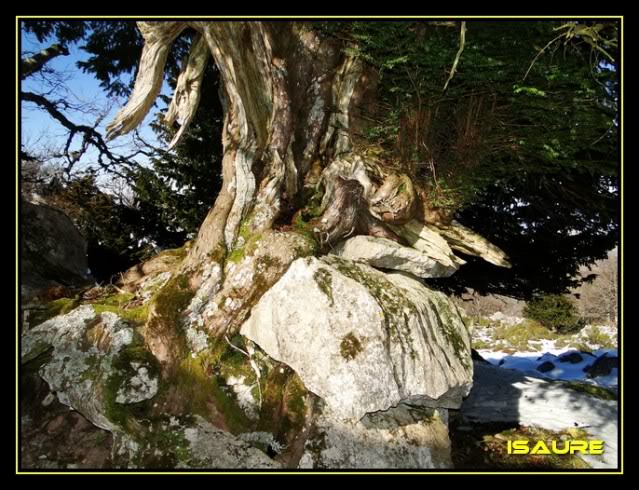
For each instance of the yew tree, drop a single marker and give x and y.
(438, 147)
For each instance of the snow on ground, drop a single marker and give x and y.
(568, 363)
(528, 362)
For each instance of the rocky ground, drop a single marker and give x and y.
(55, 437)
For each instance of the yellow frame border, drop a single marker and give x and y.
(329, 472)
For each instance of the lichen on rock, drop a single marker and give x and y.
(402, 438)
(406, 348)
(97, 363)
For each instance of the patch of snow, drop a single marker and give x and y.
(528, 362)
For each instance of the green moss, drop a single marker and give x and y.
(118, 300)
(198, 380)
(165, 445)
(485, 448)
(323, 279)
(117, 304)
(311, 200)
(236, 255)
(389, 297)
(136, 316)
(296, 398)
(218, 254)
(234, 364)
(179, 253)
(589, 389)
(448, 320)
(305, 229)
(350, 347)
(124, 415)
(170, 303)
(52, 309)
(283, 410)
(248, 245)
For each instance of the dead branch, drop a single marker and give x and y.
(462, 42)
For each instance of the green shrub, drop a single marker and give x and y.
(595, 336)
(480, 344)
(555, 312)
(518, 336)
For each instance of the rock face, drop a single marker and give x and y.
(195, 444)
(54, 252)
(363, 340)
(386, 254)
(97, 363)
(402, 438)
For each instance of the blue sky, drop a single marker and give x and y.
(40, 131)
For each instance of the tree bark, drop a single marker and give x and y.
(35, 63)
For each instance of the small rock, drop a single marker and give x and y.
(572, 358)
(603, 366)
(544, 367)
(48, 400)
(387, 254)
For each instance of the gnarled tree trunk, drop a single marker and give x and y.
(291, 100)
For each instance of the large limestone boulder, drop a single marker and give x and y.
(97, 363)
(363, 340)
(387, 254)
(402, 438)
(54, 252)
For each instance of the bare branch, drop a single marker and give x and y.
(462, 42)
(90, 137)
(29, 66)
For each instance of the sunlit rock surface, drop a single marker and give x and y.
(363, 340)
